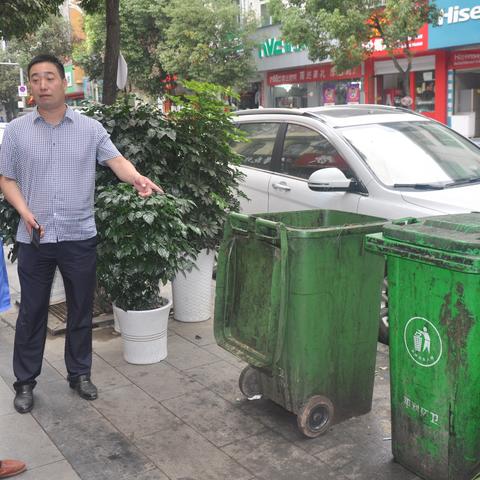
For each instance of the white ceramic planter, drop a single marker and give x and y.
(192, 291)
(144, 334)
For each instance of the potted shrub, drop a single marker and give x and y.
(189, 152)
(201, 168)
(142, 243)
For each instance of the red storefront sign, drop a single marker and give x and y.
(464, 59)
(314, 73)
(417, 44)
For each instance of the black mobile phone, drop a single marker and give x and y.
(35, 237)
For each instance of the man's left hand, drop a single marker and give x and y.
(145, 187)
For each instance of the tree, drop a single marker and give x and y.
(52, 37)
(343, 30)
(205, 41)
(112, 44)
(141, 23)
(19, 17)
(9, 79)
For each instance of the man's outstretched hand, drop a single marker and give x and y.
(145, 187)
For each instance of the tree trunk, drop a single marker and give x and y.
(112, 50)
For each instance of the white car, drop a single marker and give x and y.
(369, 159)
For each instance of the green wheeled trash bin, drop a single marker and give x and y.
(298, 299)
(433, 267)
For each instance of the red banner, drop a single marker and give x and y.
(464, 59)
(313, 73)
(417, 44)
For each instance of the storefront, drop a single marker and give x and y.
(315, 85)
(464, 68)
(424, 90)
(458, 30)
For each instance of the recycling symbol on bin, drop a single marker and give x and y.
(422, 341)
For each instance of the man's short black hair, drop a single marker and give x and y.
(47, 58)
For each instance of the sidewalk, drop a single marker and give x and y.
(183, 418)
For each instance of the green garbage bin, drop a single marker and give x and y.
(433, 267)
(298, 299)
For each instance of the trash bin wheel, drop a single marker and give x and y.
(249, 382)
(315, 416)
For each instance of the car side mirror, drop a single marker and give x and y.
(329, 180)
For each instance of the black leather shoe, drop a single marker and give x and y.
(84, 387)
(23, 401)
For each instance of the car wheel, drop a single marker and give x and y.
(383, 330)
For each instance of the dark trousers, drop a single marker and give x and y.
(76, 261)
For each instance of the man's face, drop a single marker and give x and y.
(47, 87)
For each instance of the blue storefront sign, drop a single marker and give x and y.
(459, 24)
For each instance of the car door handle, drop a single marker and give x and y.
(281, 186)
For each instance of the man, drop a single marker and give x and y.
(47, 173)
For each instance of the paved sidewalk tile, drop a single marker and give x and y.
(220, 377)
(273, 458)
(134, 412)
(220, 422)
(97, 451)
(199, 333)
(22, 437)
(57, 405)
(6, 398)
(184, 355)
(61, 470)
(160, 380)
(182, 453)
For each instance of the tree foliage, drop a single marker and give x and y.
(20, 17)
(205, 41)
(197, 40)
(141, 23)
(343, 29)
(51, 37)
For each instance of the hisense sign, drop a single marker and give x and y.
(458, 24)
(455, 14)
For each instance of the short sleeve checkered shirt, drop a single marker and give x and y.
(54, 166)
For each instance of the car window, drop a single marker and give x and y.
(305, 150)
(257, 152)
(415, 153)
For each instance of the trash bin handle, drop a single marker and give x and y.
(405, 221)
(267, 229)
(282, 318)
(239, 222)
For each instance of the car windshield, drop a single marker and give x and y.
(419, 154)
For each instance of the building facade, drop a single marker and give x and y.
(444, 79)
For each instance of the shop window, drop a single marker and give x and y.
(265, 17)
(305, 151)
(425, 91)
(257, 152)
(341, 92)
(290, 96)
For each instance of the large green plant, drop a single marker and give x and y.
(142, 242)
(9, 219)
(189, 151)
(203, 167)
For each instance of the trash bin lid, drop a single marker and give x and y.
(457, 233)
